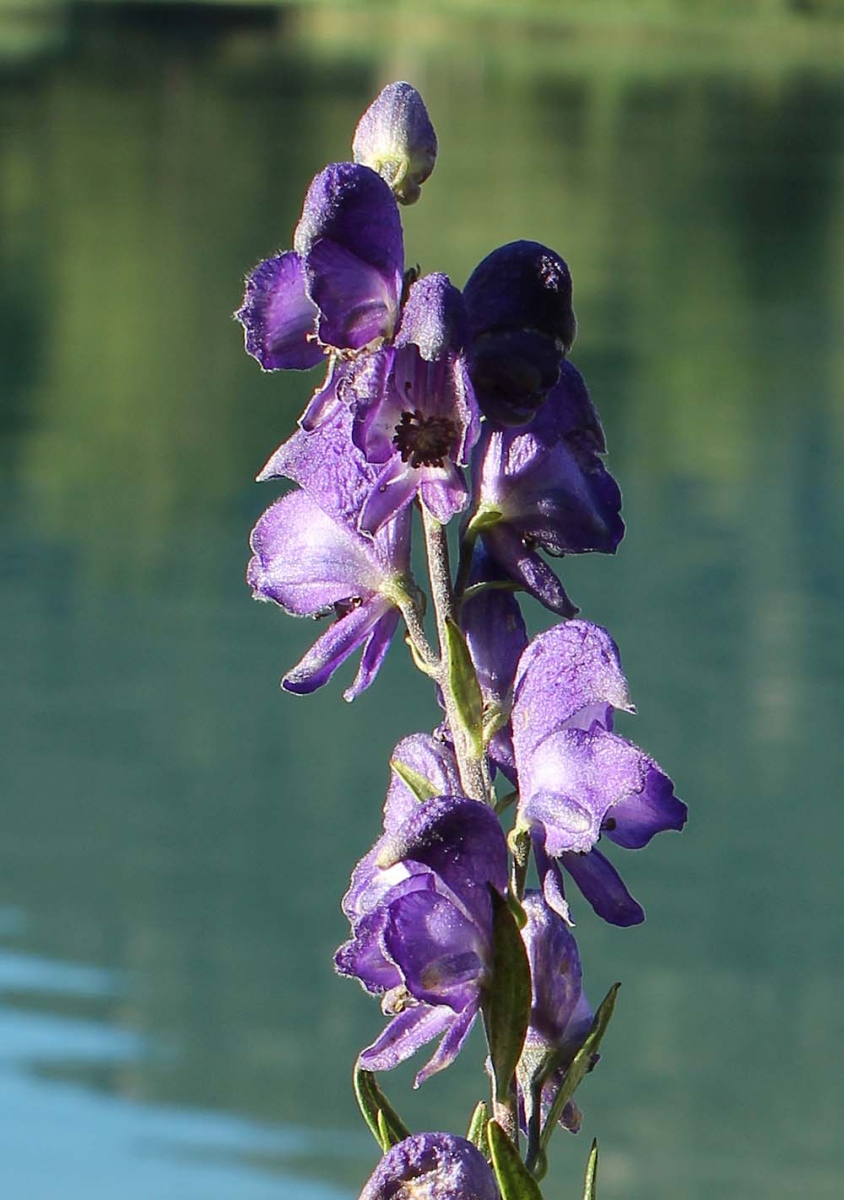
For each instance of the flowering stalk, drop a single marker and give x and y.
(451, 404)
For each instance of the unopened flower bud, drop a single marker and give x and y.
(395, 137)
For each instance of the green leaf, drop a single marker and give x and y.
(462, 683)
(476, 1133)
(421, 787)
(385, 1124)
(506, 1007)
(591, 1182)
(515, 1181)
(581, 1064)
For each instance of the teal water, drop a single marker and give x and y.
(175, 834)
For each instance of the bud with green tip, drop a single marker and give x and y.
(395, 137)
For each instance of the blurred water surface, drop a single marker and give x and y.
(175, 834)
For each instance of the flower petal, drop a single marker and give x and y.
(525, 567)
(306, 562)
(350, 241)
(569, 675)
(652, 810)
(333, 648)
(405, 1034)
(278, 318)
(439, 951)
(601, 884)
(374, 653)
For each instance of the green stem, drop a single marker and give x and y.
(469, 765)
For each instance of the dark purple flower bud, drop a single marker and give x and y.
(496, 635)
(560, 1016)
(415, 411)
(395, 137)
(544, 486)
(313, 565)
(432, 1166)
(522, 325)
(422, 929)
(577, 779)
(340, 289)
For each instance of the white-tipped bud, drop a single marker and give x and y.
(395, 137)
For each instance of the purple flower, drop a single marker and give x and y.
(395, 137)
(432, 1166)
(522, 324)
(339, 290)
(560, 1016)
(421, 916)
(415, 411)
(313, 565)
(495, 633)
(577, 779)
(544, 486)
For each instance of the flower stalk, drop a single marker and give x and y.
(438, 404)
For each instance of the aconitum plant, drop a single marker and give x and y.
(441, 406)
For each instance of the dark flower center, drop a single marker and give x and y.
(424, 441)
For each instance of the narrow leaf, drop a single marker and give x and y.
(506, 1008)
(421, 787)
(591, 1182)
(515, 1181)
(463, 684)
(385, 1124)
(581, 1064)
(476, 1133)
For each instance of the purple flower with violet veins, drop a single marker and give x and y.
(312, 565)
(338, 291)
(415, 411)
(432, 1166)
(560, 1016)
(422, 928)
(395, 137)
(577, 779)
(544, 486)
(522, 325)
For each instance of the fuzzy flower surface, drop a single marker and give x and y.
(395, 137)
(578, 780)
(421, 916)
(432, 1166)
(338, 291)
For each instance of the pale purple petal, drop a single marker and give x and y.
(406, 1033)
(374, 653)
(566, 674)
(393, 490)
(452, 1043)
(443, 491)
(429, 757)
(306, 562)
(570, 782)
(278, 318)
(334, 647)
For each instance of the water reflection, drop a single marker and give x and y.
(176, 834)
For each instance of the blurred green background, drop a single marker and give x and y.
(175, 833)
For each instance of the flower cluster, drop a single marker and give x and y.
(447, 402)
